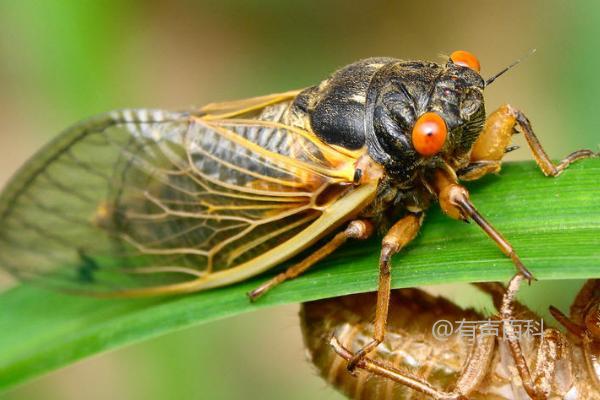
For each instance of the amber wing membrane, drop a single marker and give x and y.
(151, 199)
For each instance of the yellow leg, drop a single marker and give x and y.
(494, 140)
(359, 229)
(399, 235)
(454, 201)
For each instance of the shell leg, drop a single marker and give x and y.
(583, 314)
(584, 325)
(497, 291)
(508, 315)
(358, 229)
(399, 235)
(551, 349)
(589, 291)
(479, 358)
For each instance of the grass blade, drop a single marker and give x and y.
(554, 224)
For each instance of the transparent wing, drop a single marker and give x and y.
(142, 198)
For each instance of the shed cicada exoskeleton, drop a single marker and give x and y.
(489, 358)
(151, 202)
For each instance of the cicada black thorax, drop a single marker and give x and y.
(373, 105)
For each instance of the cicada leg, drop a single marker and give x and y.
(454, 202)
(494, 140)
(575, 325)
(475, 369)
(359, 229)
(553, 348)
(584, 325)
(497, 291)
(588, 293)
(399, 235)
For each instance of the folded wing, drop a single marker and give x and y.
(147, 201)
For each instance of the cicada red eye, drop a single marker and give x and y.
(429, 134)
(466, 59)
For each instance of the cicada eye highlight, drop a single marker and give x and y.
(429, 134)
(466, 59)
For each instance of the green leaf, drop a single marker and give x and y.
(554, 224)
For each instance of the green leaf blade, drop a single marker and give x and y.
(554, 224)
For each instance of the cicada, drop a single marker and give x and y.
(490, 358)
(153, 202)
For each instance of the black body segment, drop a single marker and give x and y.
(336, 107)
(375, 102)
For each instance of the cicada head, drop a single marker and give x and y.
(421, 114)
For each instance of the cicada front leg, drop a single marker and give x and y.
(494, 140)
(399, 235)
(358, 229)
(455, 202)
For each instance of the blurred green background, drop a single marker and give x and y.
(61, 61)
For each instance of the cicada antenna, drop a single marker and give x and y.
(493, 77)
